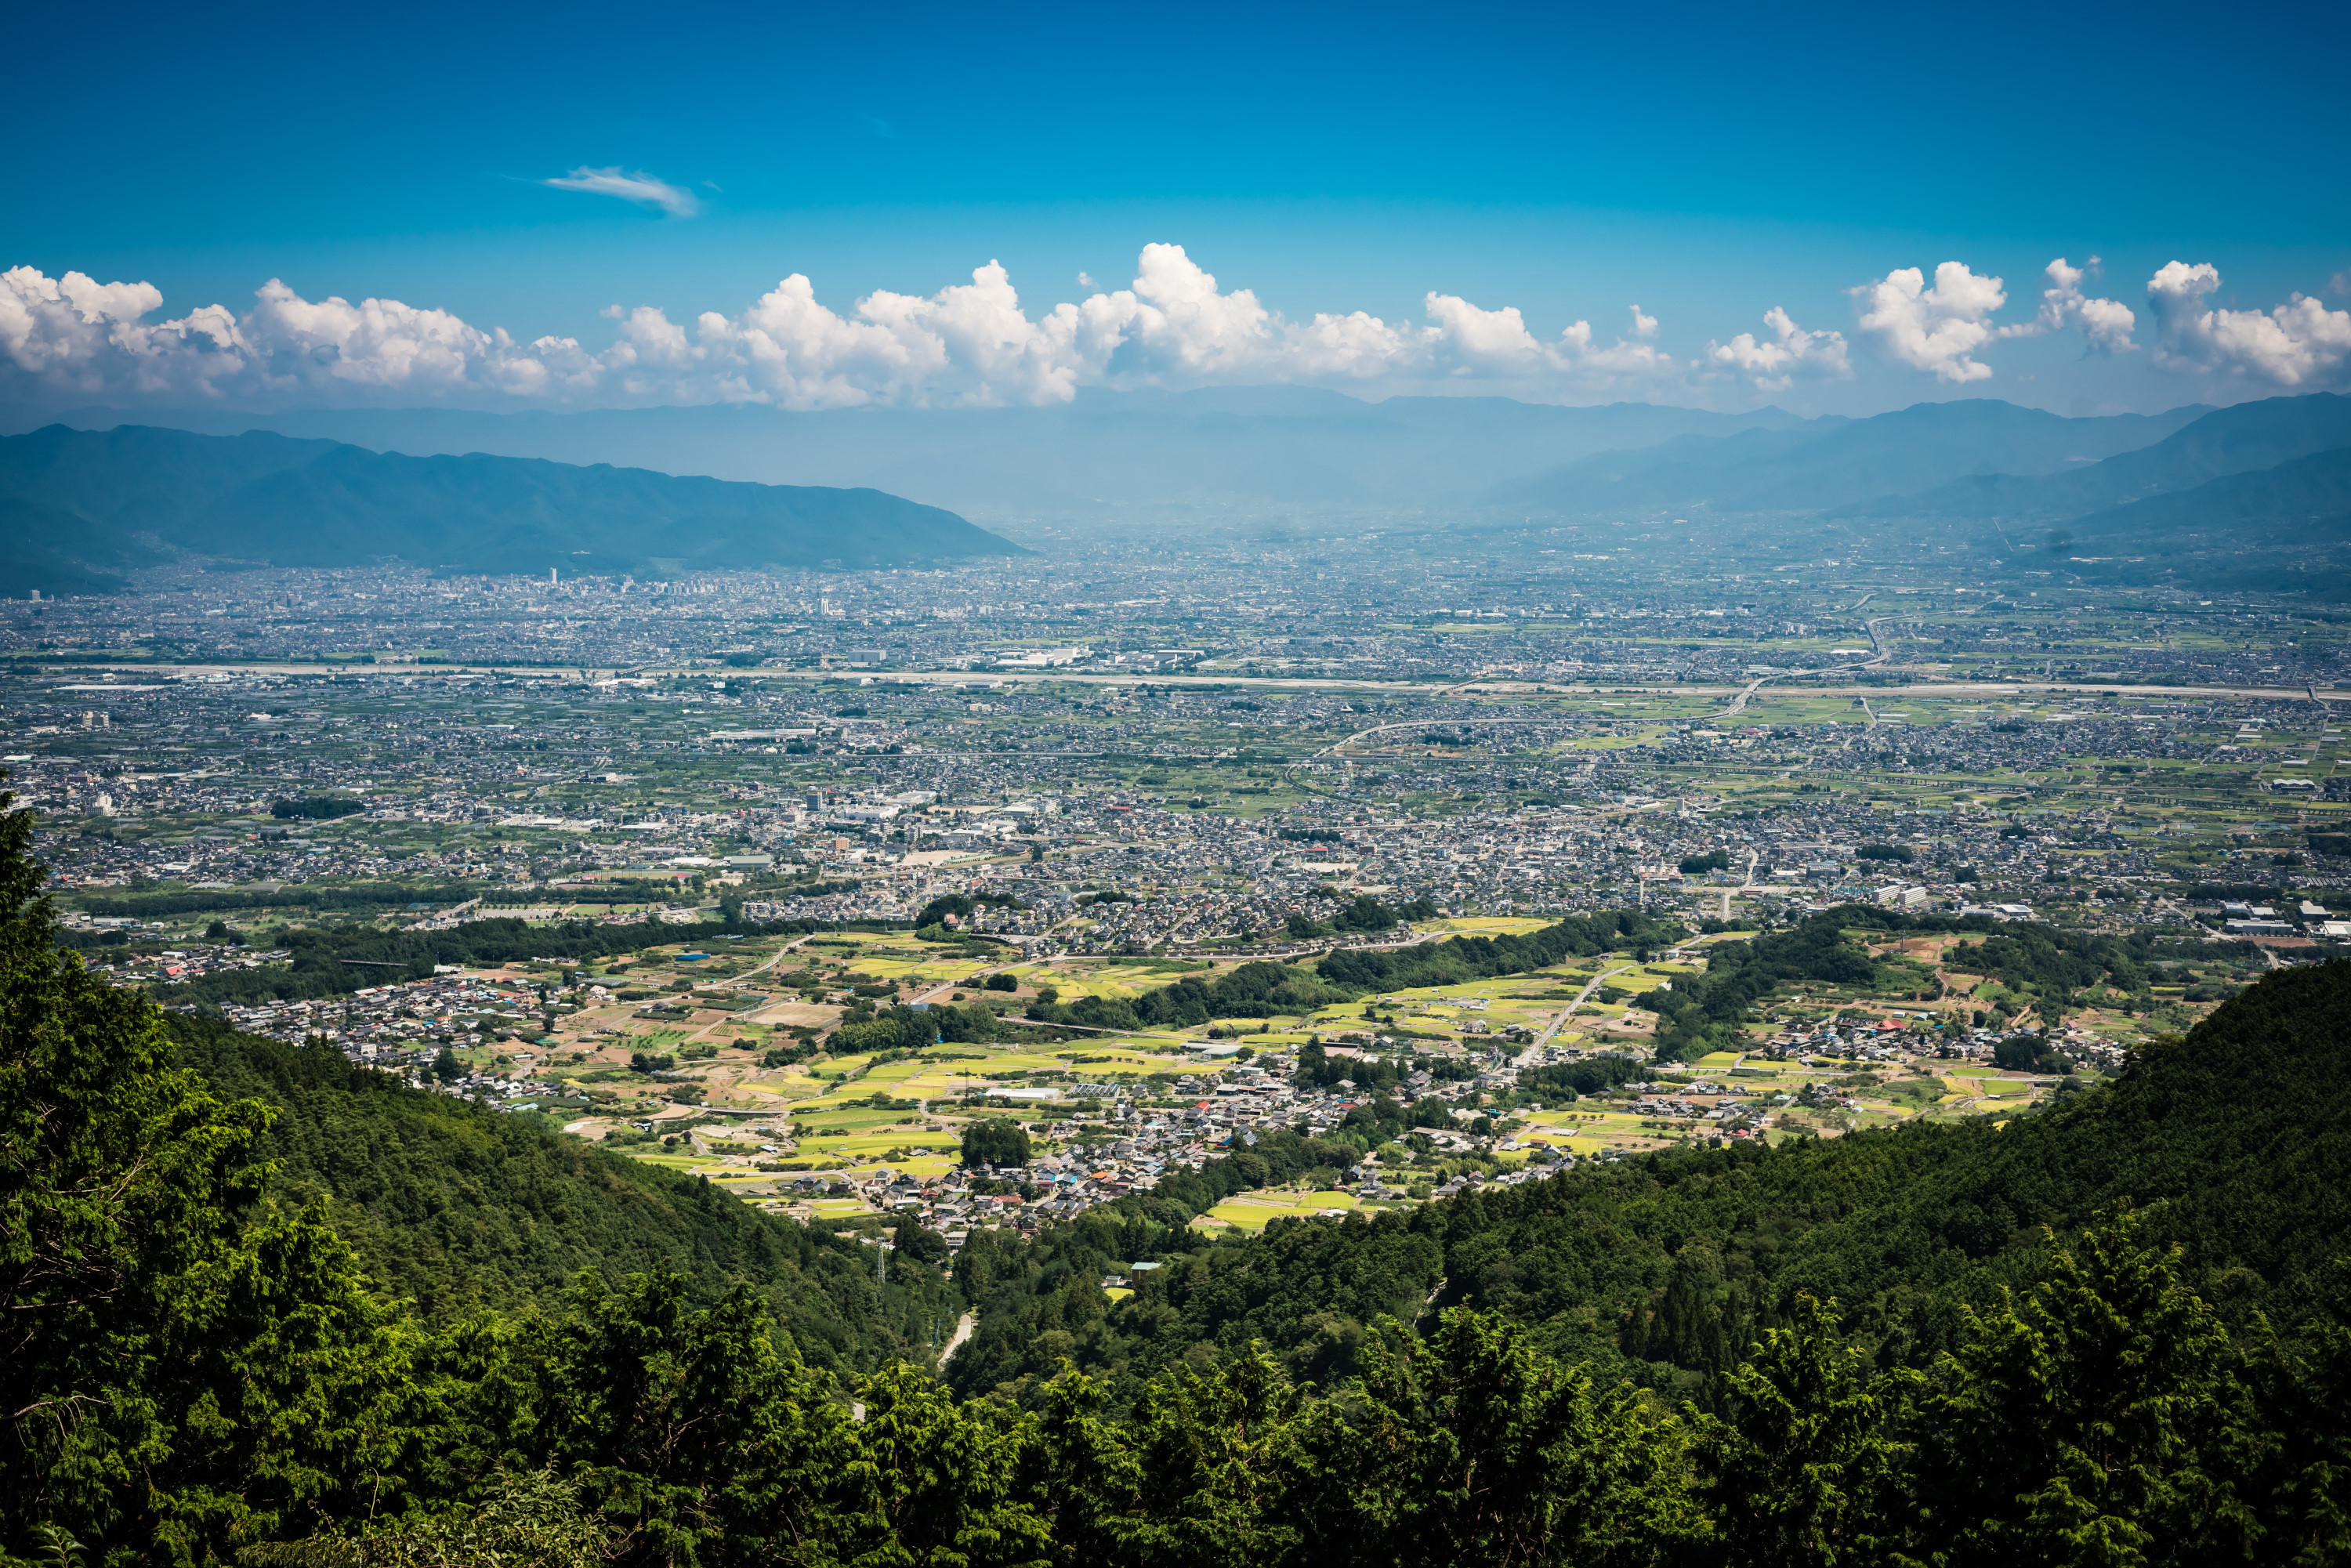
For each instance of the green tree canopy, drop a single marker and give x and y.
(995, 1140)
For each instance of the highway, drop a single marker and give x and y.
(1494, 686)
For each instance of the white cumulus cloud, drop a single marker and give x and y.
(2299, 343)
(1936, 330)
(76, 335)
(1940, 329)
(1774, 365)
(631, 186)
(969, 343)
(2105, 324)
(1465, 340)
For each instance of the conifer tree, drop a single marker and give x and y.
(181, 1367)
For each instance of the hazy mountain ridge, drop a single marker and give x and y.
(1298, 461)
(1826, 463)
(2305, 494)
(1226, 452)
(99, 501)
(2245, 437)
(1247, 447)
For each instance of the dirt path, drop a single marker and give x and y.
(773, 959)
(963, 1325)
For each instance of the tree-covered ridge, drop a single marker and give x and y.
(459, 1208)
(1260, 988)
(336, 960)
(1459, 958)
(2236, 1142)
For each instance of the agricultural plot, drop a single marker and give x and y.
(1585, 1133)
(1257, 1210)
(1118, 1062)
(807, 1120)
(873, 1146)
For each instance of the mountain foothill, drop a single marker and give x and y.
(82, 507)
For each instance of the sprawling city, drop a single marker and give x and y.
(746, 800)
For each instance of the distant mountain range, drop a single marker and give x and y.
(2308, 499)
(1211, 454)
(76, 506)
(1823, 463)
(1978, 475)
(2246, 438)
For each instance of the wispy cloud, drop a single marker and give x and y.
(631, 186)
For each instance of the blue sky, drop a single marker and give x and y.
(1710, 163)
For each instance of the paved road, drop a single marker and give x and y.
(1271, 683)
(1581, 997)
(1748, 885)
(1739, 703)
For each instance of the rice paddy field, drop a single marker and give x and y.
(1255, 1211)
(828, 1110)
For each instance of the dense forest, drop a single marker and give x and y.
(259, 1306)
(2233, 1144)
(457, 1209)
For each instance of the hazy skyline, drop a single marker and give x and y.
(799, 208)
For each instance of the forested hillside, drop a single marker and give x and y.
(133, 496)
(2235, 1142)
(458, 1208)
